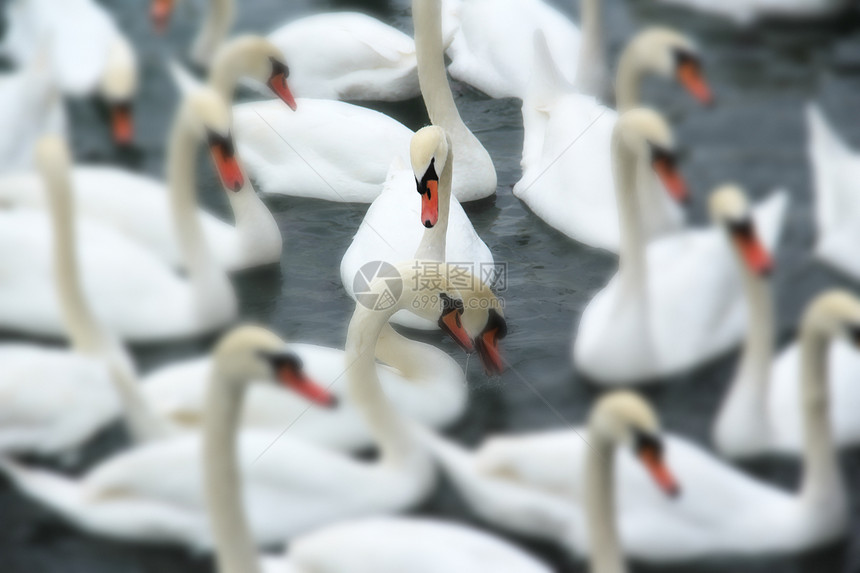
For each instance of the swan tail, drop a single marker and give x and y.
(770, 216)
(183, 79)
(546, 81)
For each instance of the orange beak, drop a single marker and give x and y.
(122, 123)
(450, 323)
(690, 76)
(226, 163)
(294, 379)
(671, 178)
(653, 462)
(430, 203)
(160, 11)
(278, 84)
(756, 257)
(488, 350)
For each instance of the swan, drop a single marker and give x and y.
(835, 166)
(532, 484)
(335, 55)
(133, 293)
(139, 207)
(429, 225)
(567, 174)
(290, 486)
(747, 12)
(341, 152)
(30, 107)
(492, 47)
(760, 413)
(89, 54)
(675, 302)
(377, 544)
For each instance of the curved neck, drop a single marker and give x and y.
(605, 548)
(628, 79)
(632, 268)
(88, 336)
(219, 20)
(821, 478)
(432, 76)
(389, 430)
(591, 68)
(434, 241)
(234, 547)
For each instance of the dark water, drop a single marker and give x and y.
(755, 136)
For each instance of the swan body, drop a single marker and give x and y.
(747, 12)
(835, 167)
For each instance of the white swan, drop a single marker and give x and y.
(140, 207)
(747, 12)
(492, 48)
(533, 484)
(134, 294)
(89, 54)
(290, 486)
(429, 225)
(835, 167)
(675, 302)
(760, 413)
(567, 173)
(377, 545)
(340, 152)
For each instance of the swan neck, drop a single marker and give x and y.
(821, 478)
(434, 240)
(225, 74)
(631, 261)
(591, 68)
(389, 430)
(628, 80)
(432, 75)
(605, 548)
(219, 20)
(234, 547)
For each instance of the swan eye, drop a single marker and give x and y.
(496, 324)
(663, 156)
(280, 360)
(279, 68)
(684, 58)
(429, 175)
(647, 443)
(743, 228)
(224, 143)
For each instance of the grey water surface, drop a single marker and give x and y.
(755, 135)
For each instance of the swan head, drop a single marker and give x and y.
(256, 58)
(118, 87)
(248, 354)
(730, 209)
(205, 114)
(428, 152)
(625, 419)
(667, 53)
(832, 314)
(160, 12)
(645, 133)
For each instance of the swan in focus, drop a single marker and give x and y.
(835, 168)
(532, 484)
(334, 55)
(341, 152)
(89, 54)
(132, 292)
(140, 207)
(493, 45)
(747, 12)
(290, 486)
(675, 302)
(567, 173)
(760, 413)
(429, 225)
(376, 544)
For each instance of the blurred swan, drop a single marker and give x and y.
(340, 152)
(89, 54)
(493, 46)
(746, 12)
(835, 169)
(152, 493)
(376, 544)
(567, 174)
(132, 292)
(429, 225)
(30, 107)
(675, 302)
(140, 207)
(335, 55)
(760, 413)
(533, 484)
